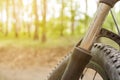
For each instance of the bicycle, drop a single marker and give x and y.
(103, 58)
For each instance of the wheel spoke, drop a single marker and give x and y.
(84, 73)
(95, 75)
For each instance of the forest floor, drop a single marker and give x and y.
(29, 63)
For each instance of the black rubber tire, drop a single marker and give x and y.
(105, 60)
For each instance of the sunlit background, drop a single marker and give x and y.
(47, 19)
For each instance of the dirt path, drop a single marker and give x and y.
(24, 74)
(28, 63)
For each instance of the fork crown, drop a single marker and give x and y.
(109, 2)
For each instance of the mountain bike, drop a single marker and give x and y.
(102, 58)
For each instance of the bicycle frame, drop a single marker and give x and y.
(81, 55)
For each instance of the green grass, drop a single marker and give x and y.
(26, 42)
(65, 41)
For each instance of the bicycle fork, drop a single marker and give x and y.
(81, 55)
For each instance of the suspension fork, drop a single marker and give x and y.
(95, 26)
(81, 55)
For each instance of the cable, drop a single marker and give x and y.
(115, 21)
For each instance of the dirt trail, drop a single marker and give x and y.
(28, 63)
(24, 74)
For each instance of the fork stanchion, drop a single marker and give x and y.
(95, 26)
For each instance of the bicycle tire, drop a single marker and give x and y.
(105, 60)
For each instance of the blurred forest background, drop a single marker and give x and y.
(48, 20)
(36, 34)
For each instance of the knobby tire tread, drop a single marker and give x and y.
(105, 60)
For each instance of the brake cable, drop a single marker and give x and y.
(115, 21)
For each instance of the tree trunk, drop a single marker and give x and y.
(36, 36)
(7, 13)
(28, 30)
(86, 17)
(15, 19)
(72, 26)
(72, 18)
(62, 19)
(44, 21)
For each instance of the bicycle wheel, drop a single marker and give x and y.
(105, 61)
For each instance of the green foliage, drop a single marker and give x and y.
(109, 23)
(68, 12)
